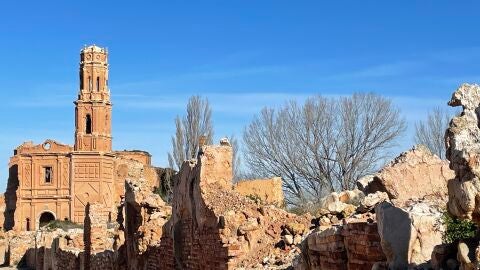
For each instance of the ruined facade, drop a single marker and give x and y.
(51, 180)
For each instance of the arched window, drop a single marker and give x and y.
(28, 225)
(88, 124)
(89, 83)
(98, 84)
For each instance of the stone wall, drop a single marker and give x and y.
(67, 251)
(136, 155)
(269, 191)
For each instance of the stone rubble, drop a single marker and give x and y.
(397, 216)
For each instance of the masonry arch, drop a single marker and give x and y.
(45, 218)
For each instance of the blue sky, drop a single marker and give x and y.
(242, 55)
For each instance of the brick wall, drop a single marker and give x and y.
(362, 243)
(353, 246)
(197, 248)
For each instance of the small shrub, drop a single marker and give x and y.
(255, 198)
(63, 224)
(309, 207)
(457, 229)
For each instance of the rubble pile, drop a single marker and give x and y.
(389, 224)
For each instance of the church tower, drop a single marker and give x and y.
(93, 129)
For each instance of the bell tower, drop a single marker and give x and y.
(93, 109)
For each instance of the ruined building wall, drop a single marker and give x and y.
(39, 183)
(147, 243)
(139, 156)
(353, 246)
(214, 227)
(269, 191)
(196, 227)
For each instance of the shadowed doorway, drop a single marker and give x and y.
(46, 218)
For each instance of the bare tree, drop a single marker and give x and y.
(235, 157)
(323, 145)
(431, 132)
(195, 124)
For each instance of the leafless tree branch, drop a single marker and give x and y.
(322, 145)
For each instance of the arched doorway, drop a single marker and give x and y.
(45, 218)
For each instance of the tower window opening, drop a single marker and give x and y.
(88, 126)
(89, 83)
(48, 174)
(28, 224)
(98, 84)
(81, 80)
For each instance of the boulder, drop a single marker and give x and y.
(364, 183)
(413, 174)
(371, 200)
(344, 202)
(442, 257)
(408, 236)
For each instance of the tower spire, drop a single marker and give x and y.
(93, 106)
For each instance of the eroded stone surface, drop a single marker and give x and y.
(409, 235)
(463, 151)
(146, 214)
(414, 174)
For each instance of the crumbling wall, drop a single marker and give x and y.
(123, 166)
(147, 246)
(137, 155)
(67, 251)
(353, 246)
(215, 227)
(269, 191)
(20, 248)
(98, 240)
(196, 227)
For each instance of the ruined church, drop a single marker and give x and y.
(55, 181)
